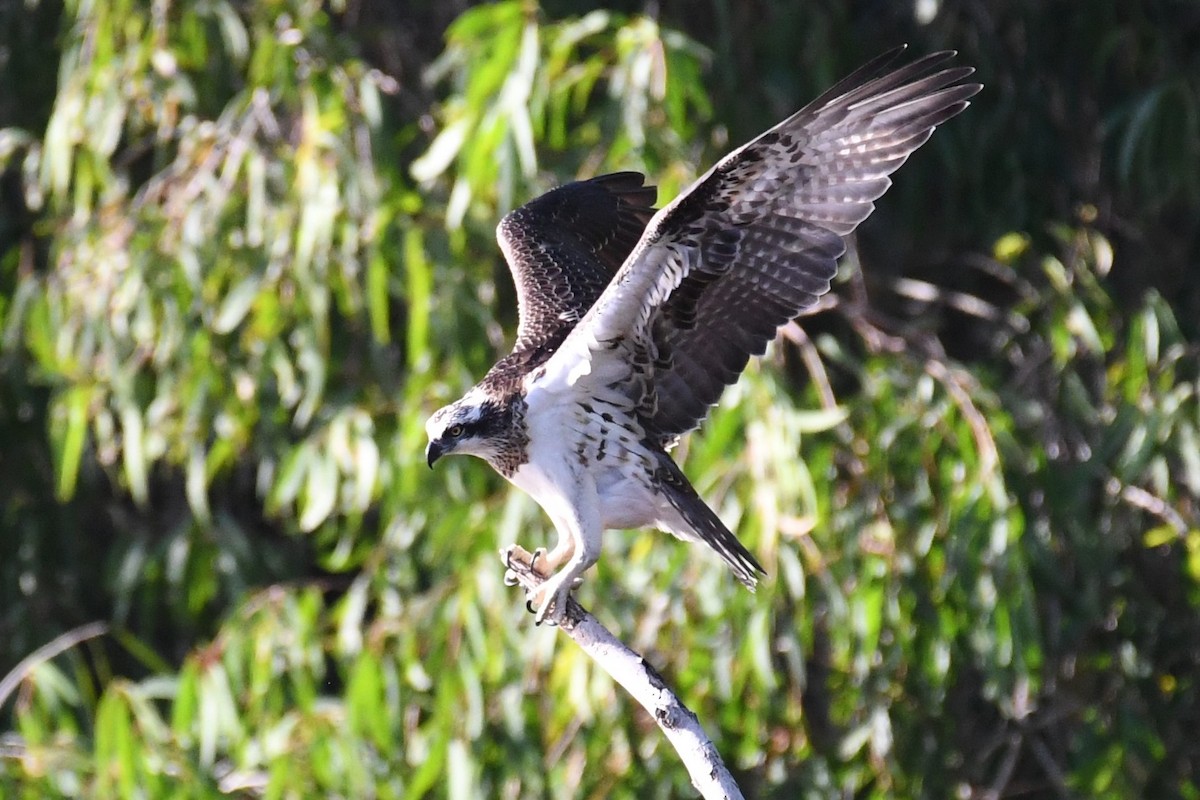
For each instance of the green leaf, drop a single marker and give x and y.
(419, 286)
(134, 455)
(320, 492)
(1192, 543)
(1160, 535)
(378, 276)
(1011, 246)
(818, 420)
(69, 437)
(196, 483)
(236, 304)
(366, 705)
(442, 151)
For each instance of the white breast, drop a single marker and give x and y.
(572, 450)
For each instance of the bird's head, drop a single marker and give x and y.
(472, 425)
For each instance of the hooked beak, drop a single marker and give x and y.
(433, 451)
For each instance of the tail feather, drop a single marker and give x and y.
(704, 522)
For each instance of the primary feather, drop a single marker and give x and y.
(756, 240)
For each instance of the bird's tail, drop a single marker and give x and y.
(704, 523)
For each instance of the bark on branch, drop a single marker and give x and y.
(680, 725)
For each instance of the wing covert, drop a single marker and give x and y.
(564, 247)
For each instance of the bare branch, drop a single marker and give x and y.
(54, 647)
(678, 723)
(952, 380)
(812, 362)
(1138, 497)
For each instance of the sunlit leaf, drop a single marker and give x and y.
(237, 302)
(320, 492)
(69, 439)
(134, 454)
(442, 151)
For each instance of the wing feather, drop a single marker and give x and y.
(756, 240)
(564, 247)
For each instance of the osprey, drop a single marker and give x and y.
(632, 321)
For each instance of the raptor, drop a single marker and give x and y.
(633, 321)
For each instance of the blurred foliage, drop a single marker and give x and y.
(246, 246)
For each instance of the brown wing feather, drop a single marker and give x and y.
(767, 226)
(564, 247)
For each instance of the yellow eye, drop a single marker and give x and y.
(454, 431)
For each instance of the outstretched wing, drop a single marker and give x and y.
(755, 241)
(564, 247)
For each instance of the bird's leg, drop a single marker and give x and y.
(561, 553)
(581, 546)
(539, 562)
(548, 585)
(551, 597)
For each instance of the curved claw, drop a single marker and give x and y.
(549, 613)
(546, 594)
(539, 552)
(553, 606)
(514, 553)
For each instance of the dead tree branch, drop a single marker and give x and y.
(678, 723)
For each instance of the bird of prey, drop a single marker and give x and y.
(633, 321)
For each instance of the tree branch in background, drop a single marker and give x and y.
(680, 725)
(56, 646)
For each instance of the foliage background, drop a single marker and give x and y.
(245, 247)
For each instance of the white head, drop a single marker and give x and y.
(474, 425)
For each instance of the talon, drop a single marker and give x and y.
(516, 558)
(547, 593)
(539, 552)
(548, 613)
(553, 607)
